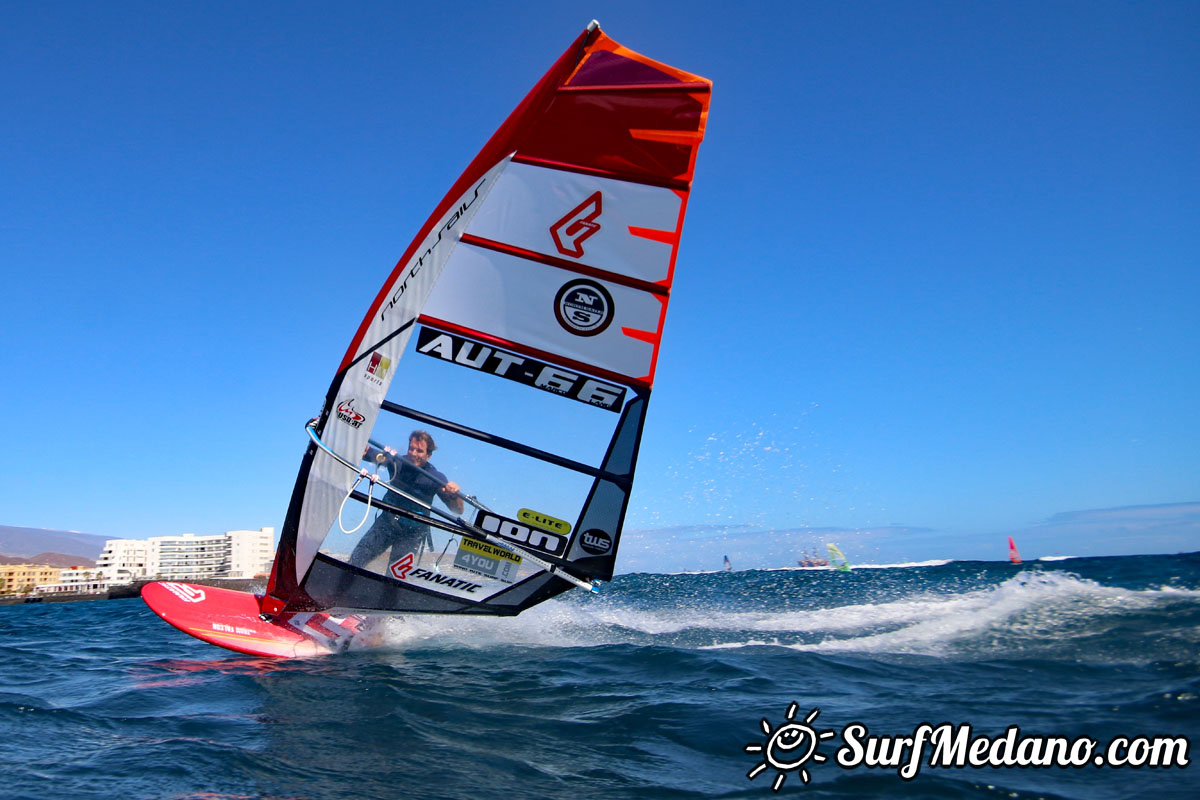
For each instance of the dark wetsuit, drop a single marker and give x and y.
(393, 531)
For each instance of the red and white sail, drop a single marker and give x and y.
(521, 327)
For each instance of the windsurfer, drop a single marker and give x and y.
(413, 474)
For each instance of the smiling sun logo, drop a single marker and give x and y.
(789, 747)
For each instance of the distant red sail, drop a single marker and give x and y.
(1013, 554)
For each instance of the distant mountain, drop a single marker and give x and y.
(27, 542)
(50, 560)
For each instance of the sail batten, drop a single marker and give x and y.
(663, 237)
(647, 87)
(644, 180)
(521, 328)
(534, 352)
(508, 444)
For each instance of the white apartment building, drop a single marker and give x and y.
(251, 553)
(123, 560)
(186, 557)
(233, 554)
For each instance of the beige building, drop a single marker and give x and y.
(76, 580)
(17, 579)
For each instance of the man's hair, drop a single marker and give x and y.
(423, 436)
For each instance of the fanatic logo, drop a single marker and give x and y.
(188, 594)
(400, 568)
(572, 231)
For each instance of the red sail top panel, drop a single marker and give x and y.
(638, 136)
(608, 63)
(625, 114)
(612, 69)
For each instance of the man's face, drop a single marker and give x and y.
(417, 453)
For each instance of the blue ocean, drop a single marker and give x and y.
(654, 689)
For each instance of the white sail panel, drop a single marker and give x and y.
(404, 295)
(625, 228)
(354, 414)
(366, 383)
(601, 324)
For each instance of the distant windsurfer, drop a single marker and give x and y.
(413, 474)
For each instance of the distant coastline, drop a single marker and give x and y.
(62, 560)
(131, 590)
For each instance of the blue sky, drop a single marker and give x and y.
(938, 282)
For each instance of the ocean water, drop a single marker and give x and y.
(652, 690)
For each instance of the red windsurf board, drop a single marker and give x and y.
(232, 620)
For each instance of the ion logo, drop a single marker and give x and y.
(347, 414)
(399, 569)
(596, 542)
(527, 537)
(572, 231)
(188, 594)
(584, 308)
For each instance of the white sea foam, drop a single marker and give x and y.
(937, 562)
(1030, 609)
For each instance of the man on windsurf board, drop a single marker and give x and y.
(413, 474)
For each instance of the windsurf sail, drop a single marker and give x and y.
(1013, 554)
(727, 567)
(518, 337)
(836, 558)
